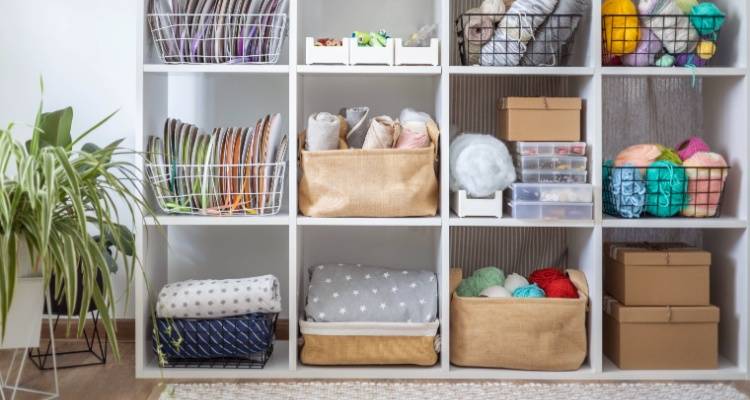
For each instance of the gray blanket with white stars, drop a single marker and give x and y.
(356, 293)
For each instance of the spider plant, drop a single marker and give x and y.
(54, 197)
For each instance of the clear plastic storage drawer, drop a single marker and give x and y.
(551, 176)
(552, 162)
(552, 192)
(555, 211)
(550, 148)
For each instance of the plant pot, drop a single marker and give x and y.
(60, 306)
(23, 327)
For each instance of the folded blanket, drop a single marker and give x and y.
(514, 31)
(665, 19)
(323, 132)
(545, 48)
(208, 299)
(350, 293)
(356, 119)
(382, 133)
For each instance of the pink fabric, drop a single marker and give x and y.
(691, 146)
(705, 184)
(413, 136)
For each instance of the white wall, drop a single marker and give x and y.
(86, 52)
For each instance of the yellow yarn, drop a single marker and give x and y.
(706, 49)
(621, 27)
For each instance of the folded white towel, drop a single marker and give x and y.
(323, 132)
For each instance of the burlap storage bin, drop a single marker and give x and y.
(528, 334)
(369, 183)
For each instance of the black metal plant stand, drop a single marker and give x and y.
(95, 346)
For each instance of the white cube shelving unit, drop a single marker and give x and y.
(213, 95)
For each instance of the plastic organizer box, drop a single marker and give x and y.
(551, 176)
(550, 148)
(552, 193)
(541, 210)
(577, 163)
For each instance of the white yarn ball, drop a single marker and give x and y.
(480, 165)
(495, 292)
(515, 281)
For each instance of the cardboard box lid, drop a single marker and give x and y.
(540, 103)
(664, 314)
(656, 254)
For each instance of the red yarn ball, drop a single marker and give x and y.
(544, 276)
(561, 288)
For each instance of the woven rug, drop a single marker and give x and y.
(448, 391)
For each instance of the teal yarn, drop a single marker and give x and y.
(481, 279)
(665, 61)
(666, 186)
(628, 191)
(528, 292)
(707, 18)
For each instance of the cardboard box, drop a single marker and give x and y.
(540, 119)
(657, 274)
(661, 337)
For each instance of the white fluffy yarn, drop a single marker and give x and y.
(515, 281)
(480, 165)
(495, 292)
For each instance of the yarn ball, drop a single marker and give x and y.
(705, 185)
(686, 5)
(666, 184)
(639, 155)
(706, 49)
(670, 155)
(689, 60)
(481, 279)
(621, 27)
(530, 291)
(544, 276)
(665, 61)
(645, 54)
(480, 165)
(495, 292)
(515, 281)
(707, 18)
(561, 288)
(627, 191)
(691, 146)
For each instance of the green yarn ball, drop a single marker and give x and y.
(481, 279)
(707, 18)
(666, 186)
(670, 155)
(665, 61)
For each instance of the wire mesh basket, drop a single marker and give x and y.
(218, 38)
(242, 342)
(664, 191)
(659, 40)
(510, 40)
(218, 189)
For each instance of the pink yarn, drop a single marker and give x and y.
(691, 146)
(705, 185)
(639, 155)
(413, 136)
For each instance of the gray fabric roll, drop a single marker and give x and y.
(353, 293)
(323, 132)
(356, 118)
(544, 48)
(514, 31)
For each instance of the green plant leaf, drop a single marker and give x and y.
(120, 237)
(56, 127)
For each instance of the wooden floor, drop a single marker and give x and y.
(114, 381)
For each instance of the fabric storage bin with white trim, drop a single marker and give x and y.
(370, 183)
(536, 334)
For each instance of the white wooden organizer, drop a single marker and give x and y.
(220, 95)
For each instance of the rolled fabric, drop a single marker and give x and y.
(381, 134)
(706, 175)
(355, 293)
(480, 164)
(206, 299)
(478, 29)
(621, 27)
(545, 47)
(356, 120)
(664, 19)
(508, 43)
(323, 132)
(413, 135)
(409, 114)
(649, 46)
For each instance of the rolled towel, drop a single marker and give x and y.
(665, 19)
(480, 164)
(356, 119)
(382, 133)
(323, 132)
(478, 30)
(208, 299)
(413, 135)
(508, 43)
(351, 293)
(545, 48)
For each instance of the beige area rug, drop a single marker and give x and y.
(449, 391)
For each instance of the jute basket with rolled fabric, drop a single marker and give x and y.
(369, 183)
(528, 334)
